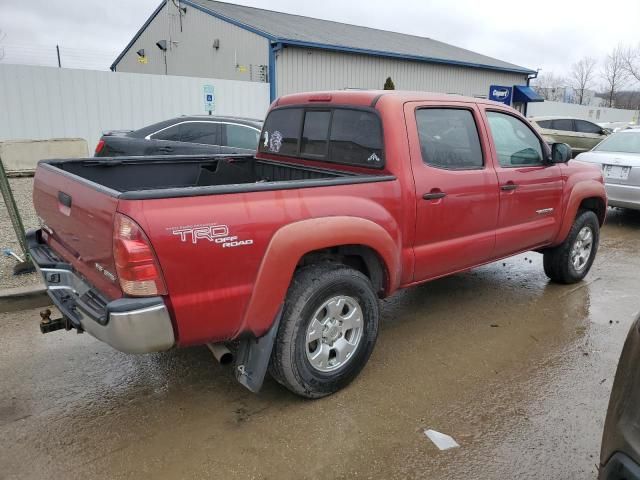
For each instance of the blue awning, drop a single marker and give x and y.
(524, 94)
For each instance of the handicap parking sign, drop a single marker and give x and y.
(209, 98)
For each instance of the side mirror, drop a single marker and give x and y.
(606, 131)
(560, 153)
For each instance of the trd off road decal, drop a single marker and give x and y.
(211, 232)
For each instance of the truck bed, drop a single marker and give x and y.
(178, 176)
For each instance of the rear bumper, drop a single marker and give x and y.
(620, 467)
(624, 196)
(131, 325)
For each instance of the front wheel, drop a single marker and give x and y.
(570, 261)
(327, 332)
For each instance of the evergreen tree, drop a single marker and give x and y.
(389, 85)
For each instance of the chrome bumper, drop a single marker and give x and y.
(131, 325)
(624, 196)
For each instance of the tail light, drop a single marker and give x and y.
(136, 264)
(99, 146)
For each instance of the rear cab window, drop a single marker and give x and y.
(344, 135)
(240, 136)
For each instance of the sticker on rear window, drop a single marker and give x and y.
(275, 142)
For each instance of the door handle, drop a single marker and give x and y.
(434, 195)
(508, 187)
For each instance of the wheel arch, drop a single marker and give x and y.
(357, 242)
(597, 205)
(586, 195)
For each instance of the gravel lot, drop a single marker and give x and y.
(22, 188)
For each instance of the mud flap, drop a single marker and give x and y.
(253, 357)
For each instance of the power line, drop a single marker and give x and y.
(71, 57)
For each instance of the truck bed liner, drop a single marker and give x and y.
(162, 177)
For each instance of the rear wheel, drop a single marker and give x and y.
(328, 330)
(570, 261)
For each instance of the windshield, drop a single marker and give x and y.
(623, 142)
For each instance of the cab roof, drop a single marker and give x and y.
(369, 98)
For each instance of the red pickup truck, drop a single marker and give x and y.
(350, 197)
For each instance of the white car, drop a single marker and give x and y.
(619, 156)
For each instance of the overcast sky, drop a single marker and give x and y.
(547, 34)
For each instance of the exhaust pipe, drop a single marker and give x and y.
(221, 352)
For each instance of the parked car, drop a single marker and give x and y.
(581, 135)
(617, 126)
(184, 136)
(351, 196)
(619, 157)
(620, 452)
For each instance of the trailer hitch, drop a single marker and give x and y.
(48, 324)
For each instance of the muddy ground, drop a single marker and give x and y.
(517, 370)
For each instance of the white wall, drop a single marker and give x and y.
(43, 102)
(585, 112)
(303, 70)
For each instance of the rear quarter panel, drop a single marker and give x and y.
(211, 285)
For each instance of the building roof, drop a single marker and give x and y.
(297, 30)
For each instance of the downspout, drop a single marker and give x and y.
(273, 49)
(529, 78)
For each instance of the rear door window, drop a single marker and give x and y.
(583, 126)
(200, 132)
(449, 138)
(564, 124)
(171, 133)
(239, 136)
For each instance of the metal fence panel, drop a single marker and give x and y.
(43, 102)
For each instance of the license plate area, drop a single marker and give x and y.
(616, 172)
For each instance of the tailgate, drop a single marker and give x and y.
(78, 217)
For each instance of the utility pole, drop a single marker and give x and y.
(58, 52)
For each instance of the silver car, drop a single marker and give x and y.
(619, 156)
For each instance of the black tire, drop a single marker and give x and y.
(312, 286)
(557, 261)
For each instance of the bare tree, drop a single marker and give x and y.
(550, 86)
(631, 61)
(582, 76)
(614, 74)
